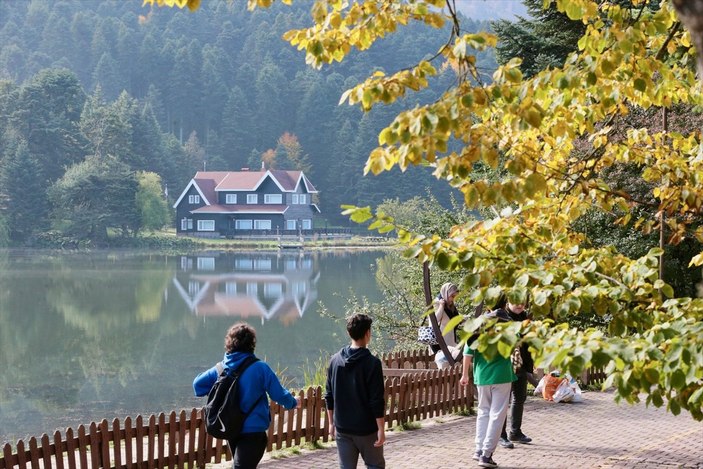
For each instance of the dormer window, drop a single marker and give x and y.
(252, 198)
(193, 199)
(231, 199)
(273, 199)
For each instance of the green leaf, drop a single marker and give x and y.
(640, 85)
(657, 398)
(651, 375)
(443, 260)
(674, 407)
(540, 298)
(678, 379)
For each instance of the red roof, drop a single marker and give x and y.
(209, 183)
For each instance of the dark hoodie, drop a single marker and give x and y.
(354, 391)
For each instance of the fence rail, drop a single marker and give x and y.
(180, 440)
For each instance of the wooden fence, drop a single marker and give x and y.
(180, 440)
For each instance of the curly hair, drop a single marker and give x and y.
(241, 337)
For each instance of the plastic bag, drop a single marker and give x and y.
(540, 387)
(564, 392)
(578, 397)
(551, 383)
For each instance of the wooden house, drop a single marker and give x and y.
(239, 203)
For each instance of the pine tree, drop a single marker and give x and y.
(24, 206)
(544, 40)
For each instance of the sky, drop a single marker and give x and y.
(491, 9)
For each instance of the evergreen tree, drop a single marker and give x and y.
(93, 196)
(237, 129)
(271, 105)
(47, 116)
(106, 76)
(24, 205)
(543, 40)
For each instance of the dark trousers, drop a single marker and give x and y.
(517, 405)
(350, 446)
(248, 449)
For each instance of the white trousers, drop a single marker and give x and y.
(493, 402)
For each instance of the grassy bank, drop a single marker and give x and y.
(167, 240)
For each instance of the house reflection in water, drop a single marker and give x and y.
(279, 285)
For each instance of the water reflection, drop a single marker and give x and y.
(93, 335)
(281, 285)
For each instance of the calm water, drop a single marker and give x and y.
(90, 336)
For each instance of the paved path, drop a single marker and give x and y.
(597, 433)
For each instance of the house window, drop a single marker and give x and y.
(230, 288)
(290, 224)
(307, 224)
(262, 224)
(242, 224)
(186, 263)
(273, 290)
(252, 289)
(262, 264)
(186, 224)
(206, 263)
(193, 199)
(273, 199)
(243, 264)
(231, 199)
(303, 199)
(294, 199)
(299, 288)
(206, 225)
(252, 198)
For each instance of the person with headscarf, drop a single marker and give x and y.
(445, 310)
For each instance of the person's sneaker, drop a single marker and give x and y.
(487, 461)
(477, 455)
(521, 438)
(505, 443)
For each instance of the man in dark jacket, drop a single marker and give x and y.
(354, 397)
(524, 375)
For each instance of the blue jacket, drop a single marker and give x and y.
(257, 381)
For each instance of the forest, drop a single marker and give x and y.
(108, 108)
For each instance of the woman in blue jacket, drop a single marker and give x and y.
(256, 381)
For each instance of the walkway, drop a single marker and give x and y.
(597, 433)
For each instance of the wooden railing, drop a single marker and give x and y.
(180, 440)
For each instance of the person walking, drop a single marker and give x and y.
(524, 374)
(255, 383)
(493, 381)
(354, 398)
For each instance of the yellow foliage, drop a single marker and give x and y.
(549, 137)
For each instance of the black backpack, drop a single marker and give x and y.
(223, 416)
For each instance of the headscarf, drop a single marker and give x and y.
(447, 290)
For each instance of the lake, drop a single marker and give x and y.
(87, 336)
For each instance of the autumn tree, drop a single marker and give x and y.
(631, 56)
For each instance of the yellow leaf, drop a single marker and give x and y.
(533, 117)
